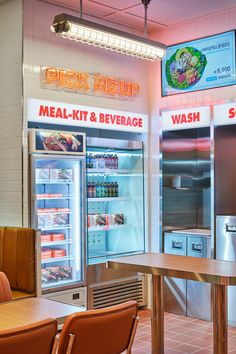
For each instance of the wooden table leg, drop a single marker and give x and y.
(220, 319)
(157, 315)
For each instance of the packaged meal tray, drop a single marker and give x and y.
(52, 237)
(46, 253)
(61, 174)
(60, 219)
(100, 219)
(58, 237)
(46, 238)
(118, 219)
(45, 220)
(42, 174)
(58, 252)
(54, 274)
(48, 276)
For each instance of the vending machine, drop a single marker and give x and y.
(58, 210)
(115, 218)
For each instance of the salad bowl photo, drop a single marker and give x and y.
(185, 68)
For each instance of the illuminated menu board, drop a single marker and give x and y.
(201, 64)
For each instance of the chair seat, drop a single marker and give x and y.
(16, 294)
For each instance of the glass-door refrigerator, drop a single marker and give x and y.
(115, 208)
(58, 206)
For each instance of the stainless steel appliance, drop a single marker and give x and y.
(186, 188)
(183, 297)
(58, 210)
(226, 250)
(115, 190)
(186, 191)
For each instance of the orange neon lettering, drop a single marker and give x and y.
(99, 83)
(52, 75)
(111, 86)
(70, 79)
(83, 81)
(135, 89)
(125, 88)
(80, 81)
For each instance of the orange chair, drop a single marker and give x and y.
(105, 331)
(37, 338)
(5, 289)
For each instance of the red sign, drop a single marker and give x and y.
(84, 116)
(186, 118)
(225, 114)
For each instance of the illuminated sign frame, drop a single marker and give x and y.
(88, 83)
(59, 113)
(200, 64)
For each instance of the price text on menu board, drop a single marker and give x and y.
(201, 64)
(83, 116)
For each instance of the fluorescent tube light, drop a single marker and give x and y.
(84, 31)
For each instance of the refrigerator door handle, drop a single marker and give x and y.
(177, 245)
(197, 247)
(230, 228)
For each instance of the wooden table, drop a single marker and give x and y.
(219, 273)
(26, 311)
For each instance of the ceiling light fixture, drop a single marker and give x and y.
(84, 31)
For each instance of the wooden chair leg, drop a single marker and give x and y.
(128, 350)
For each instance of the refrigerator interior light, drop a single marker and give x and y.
(91, 33)
(77, 224)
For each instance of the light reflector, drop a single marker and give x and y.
(84, 31)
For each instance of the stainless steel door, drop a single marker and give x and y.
(175, 289)
(198, 294)
(226, 250)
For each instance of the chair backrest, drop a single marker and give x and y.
(104, 331)
(17, 257)
(37, 338)
(5, 289)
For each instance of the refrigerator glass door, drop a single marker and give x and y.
(115, 191)
(58, 212)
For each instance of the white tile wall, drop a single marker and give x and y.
(200, 27)
(41, 47)
(11, 113)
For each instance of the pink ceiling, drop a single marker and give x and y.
(161, 13)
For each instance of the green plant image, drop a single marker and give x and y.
(185, 68)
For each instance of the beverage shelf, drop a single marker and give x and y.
(56, 259)
(96, 256)
(107, 228)
(112, 171)
(108, 199)
(56, 227)
(55, 243)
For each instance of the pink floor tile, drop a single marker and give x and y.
(182, 335)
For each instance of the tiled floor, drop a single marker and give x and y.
(182, 335)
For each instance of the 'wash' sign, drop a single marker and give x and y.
(225, 114)
(83, 116)
(196, 117)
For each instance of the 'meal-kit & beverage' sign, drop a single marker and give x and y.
(200, 64)
(41, 111)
